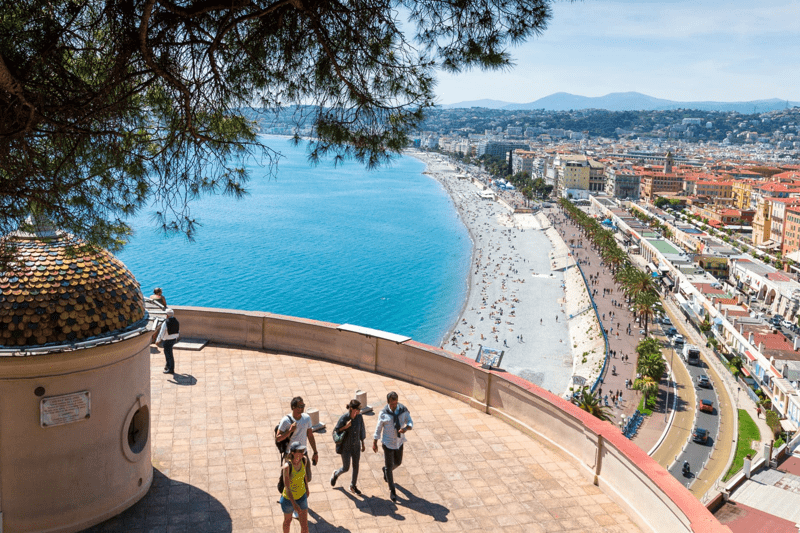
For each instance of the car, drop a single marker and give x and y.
(666, 321)
(678, 339)
(703, 381)
(707, 406)
(787, 324)
(671, 331)
(700, 435)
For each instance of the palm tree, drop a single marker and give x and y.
(586, 401)
(638, 282)
(648, 346)
(652, 366)
(643, 306)
(647, 385)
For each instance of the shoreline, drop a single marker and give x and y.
(513, 284)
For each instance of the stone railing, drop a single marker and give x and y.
(649, 494)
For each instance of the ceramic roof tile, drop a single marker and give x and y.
(56, 292)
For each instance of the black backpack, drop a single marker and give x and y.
(283, 446)
(173, 326)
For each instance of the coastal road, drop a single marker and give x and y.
(719, 453)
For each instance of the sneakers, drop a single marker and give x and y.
(334, 477)
(355, 490)
(385, 477)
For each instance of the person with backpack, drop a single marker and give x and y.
(296, 428)
(169, 334)
(296, 477)
(349, 435)
(394, 421)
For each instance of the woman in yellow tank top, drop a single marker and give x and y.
(295, 496)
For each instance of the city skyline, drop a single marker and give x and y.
(671, 49)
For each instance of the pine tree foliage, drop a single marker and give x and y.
(109, 105)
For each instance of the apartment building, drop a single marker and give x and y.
(719, 191)
(522, 161)
(791, 230)
(622, 181)
(778, 216)
(499, 148)
(655, 182)
(597, 179)
(740, 191)
(571, 172)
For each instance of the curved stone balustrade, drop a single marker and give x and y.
(652, 497)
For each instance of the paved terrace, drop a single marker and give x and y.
(216, 466)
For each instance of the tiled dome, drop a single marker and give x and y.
(55, 293)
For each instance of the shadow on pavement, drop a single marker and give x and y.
(170, 505)
(423, 506)
(372, 505)
(319, 524)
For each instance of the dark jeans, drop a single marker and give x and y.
(168, 344)
(392, 459)
(347, 455)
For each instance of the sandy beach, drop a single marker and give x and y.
(525, 296)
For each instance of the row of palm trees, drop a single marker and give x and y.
(650, 366)
(640, 292)
(637, 285)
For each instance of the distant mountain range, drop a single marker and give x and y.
(630, 101)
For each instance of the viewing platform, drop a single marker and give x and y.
(488, 452)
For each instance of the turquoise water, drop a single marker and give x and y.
(383, 249)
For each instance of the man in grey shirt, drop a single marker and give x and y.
(394, 421)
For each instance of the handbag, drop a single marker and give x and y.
(339, 437)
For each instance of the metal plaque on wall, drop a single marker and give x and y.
(64, 409)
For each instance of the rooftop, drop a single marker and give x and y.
(664, 247)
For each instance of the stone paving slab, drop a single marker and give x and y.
(216, 465)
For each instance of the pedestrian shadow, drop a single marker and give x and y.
(321, 525)
(372, 505)
(423, 506)
(186, 380)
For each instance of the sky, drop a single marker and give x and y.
(683, 50)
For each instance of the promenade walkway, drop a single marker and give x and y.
(620, 340)
(216, 465)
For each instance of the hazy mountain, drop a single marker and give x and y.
(489, 104)
(630, 101)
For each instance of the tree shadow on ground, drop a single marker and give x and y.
(681, 404)
(170, 505)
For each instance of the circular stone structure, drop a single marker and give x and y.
(74, 385)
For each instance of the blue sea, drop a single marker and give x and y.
(383, 249)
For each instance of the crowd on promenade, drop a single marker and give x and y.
(615, 315)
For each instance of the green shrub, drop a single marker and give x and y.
(774, 422)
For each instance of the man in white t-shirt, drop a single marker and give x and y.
(296, 427)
